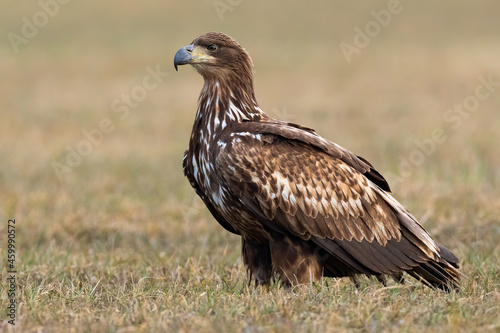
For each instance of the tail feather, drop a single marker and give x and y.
(448, 256)
(442, 274)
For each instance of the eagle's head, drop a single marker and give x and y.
(216, 56)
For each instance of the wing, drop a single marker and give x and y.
(305, 192)
(308, 136)
(299, 189)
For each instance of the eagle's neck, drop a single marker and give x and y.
(221, 104)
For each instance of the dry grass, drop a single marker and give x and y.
(123, 245)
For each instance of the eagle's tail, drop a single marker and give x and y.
(438, 266)
(443, 274)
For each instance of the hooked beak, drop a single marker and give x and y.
(191, 55)
(183, 56)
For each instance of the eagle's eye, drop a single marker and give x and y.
(212, 47)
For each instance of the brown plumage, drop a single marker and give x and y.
(304, 206)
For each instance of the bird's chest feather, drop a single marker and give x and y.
(200, 163)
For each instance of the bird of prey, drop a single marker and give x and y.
(304, 206)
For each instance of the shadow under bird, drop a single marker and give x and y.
(304, 206)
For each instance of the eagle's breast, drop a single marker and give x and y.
(211, 136)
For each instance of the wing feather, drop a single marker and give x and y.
(298, 190)
(311, 192)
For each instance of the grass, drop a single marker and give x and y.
(122, 243)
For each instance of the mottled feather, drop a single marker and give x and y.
(304, 206)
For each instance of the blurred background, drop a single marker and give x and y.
(94, 122)
(67, 68)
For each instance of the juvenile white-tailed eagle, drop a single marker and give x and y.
(304, 206)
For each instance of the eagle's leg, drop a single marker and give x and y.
(257, 259)
(294, 260)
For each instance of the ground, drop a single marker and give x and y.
(111, 238)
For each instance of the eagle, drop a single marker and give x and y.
(304, 206)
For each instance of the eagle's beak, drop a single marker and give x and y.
(183, 56)
(190, 55)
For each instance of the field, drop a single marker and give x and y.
(109, 236)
